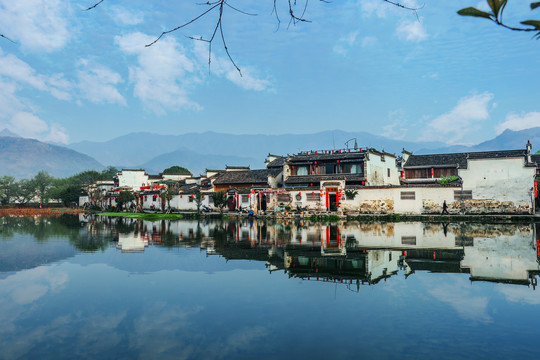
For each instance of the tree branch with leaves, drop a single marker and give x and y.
(496, 15)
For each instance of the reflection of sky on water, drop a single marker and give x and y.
(179, 303)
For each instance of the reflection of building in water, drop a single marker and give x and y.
(510, 259)
(366, 266)
(345, 252)
(132, 242)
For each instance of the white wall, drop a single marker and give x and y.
(133, 178)
(499, 179)
(377, 170)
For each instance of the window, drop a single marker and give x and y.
(245, 198)
(283, 198)
(329, 169)
(462, 195)
(313, 197)
(408, 240)
(357, 169)
(302, 170)
(408, 195)
(388, 172)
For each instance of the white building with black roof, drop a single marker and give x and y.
(489, 181)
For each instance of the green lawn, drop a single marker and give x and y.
(145, 216)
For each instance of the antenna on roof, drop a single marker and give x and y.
(355, 143)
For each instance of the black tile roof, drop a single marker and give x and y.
(459, 159)
(246, 177)
(276, 164)
(300, 158)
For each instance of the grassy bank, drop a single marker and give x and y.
(144, 216)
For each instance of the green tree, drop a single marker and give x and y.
(26, 190)
(167, 195)
(220, 200)
(109, 173)
(177, 170)
(124, 197)
(199, 197)
(42, 183)
(69, 195)
(8, 189)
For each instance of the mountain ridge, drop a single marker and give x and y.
(23, 158)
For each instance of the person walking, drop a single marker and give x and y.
(445, 208)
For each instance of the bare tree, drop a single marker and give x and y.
(296, 11)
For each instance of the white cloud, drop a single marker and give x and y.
(411, 30)
(397, 129)
(98, 83)
(462, 120)
(519, 122)
(57, 134)
(368, 41)
(28, 125)
(9, 103)
(381, 8)
(163, 74)
(222, 66)
(458, 293)
(39, 25)
(373, 7)
(124, 16)
(345, 43)
(517, 294)
(13, 68)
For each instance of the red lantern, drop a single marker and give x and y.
(338, 161)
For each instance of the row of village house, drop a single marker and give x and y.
(364, 181)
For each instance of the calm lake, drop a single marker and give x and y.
(111, 288)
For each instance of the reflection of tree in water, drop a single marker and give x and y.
(40, 227)
(219, 234)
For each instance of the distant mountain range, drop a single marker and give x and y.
(215, 150)
(23, 158)
(198, 151)
(507, 140)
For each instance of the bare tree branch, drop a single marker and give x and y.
(5, 37)
(95, 5)
(220, 4)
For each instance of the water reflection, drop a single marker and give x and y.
(354, 254)
(120, 288)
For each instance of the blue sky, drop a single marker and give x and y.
(362, 65)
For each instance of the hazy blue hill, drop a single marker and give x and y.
(23, 158)
(512, 140)
(138, 148)
(507, 140)
(197, 163)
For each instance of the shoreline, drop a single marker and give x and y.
(31, 211)
(329, 217)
